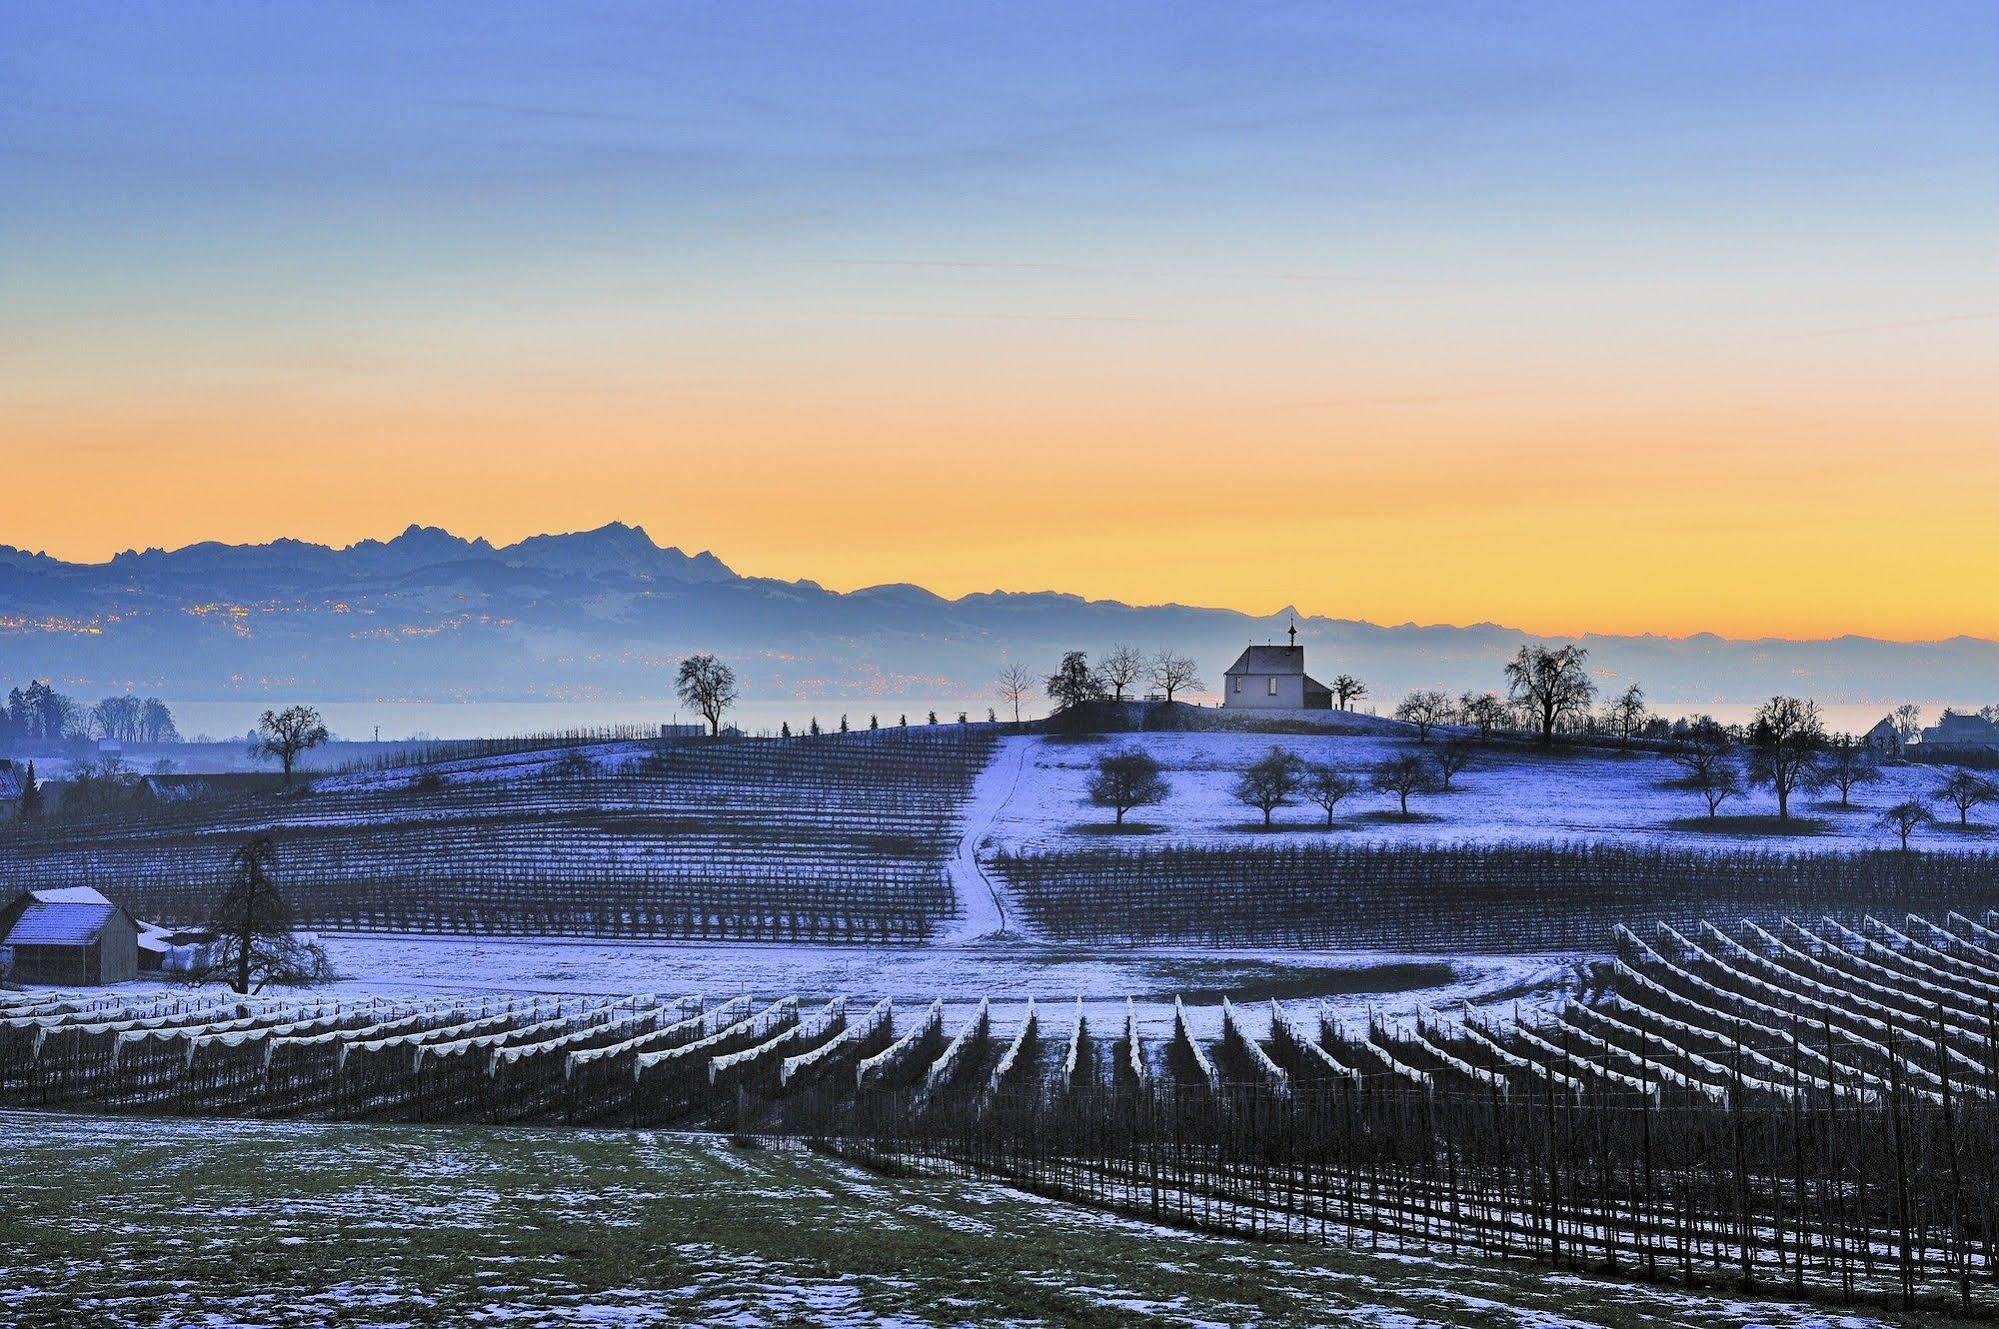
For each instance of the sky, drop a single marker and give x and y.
(1571, 316)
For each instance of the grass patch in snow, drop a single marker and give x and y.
(1112, 830)
(124, 1223)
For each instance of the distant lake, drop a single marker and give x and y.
(359, 720)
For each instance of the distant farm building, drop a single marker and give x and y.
(68, 936)
(1884, 740)
(1960, 729)
(13, 786)
(1273, 678)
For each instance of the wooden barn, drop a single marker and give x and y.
(70, 936)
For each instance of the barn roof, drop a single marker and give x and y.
(67, 916)
(59, 924)
(11, 784)
(1270, 660)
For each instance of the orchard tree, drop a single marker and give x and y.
(1073, 683)
(1716, 783)
(1964, 791)
(1328, 786)
(1705, 745)
(1425, 710)
(1905, 818)
(1483, 711)
(709, 686)
(1173, 673)
(1626, 715)
(1403, 776)
(1122, 666)
(287, 734)
(1452, 758)
(1127, 778)
(1785, 738)
(1551, 686)
(1270, 782)
(1845, 765)
(1347, 690)
(1016, 685)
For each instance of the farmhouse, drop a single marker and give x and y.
(1273, 678)
(13, 785)
(73, 935)
(1960, 729)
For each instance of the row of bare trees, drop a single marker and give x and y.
(1077, 682)
(40, 714)
(1128, 778)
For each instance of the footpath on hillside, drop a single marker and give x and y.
(983, 905)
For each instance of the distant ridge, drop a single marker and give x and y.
(429, 615)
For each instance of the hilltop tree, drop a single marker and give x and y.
(1016, 685)
(156, 723)
(1551, 686)
(1626, 715)
(709, 686)
(1122, 666)
(1270, 782)
(1784, 742)
(1908, 721)
(1483, 711)
(287, 734)
(1074, 683)
(1403, 777)
(1173, 673)
(1845, 765)
(1964, 791)
(1127, 778)
(1328, 786)
(256, 946)
(1905, 818)
(1425, 710)
(1347, 690)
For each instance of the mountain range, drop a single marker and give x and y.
(606, 614)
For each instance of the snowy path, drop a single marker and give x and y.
(982, 908)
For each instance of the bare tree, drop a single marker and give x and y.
(1074, 683)
(709, 686)
(1328, 786)
(1908, 721)
(1269, 783)
(1452, 758)
(1425, 710)
(1127, 778)
(1347, 690)
(1784, 741)
(1905, 818)
(156, 723)
(1716, 783)
(286, 734)
(1403, 776)
(1705, 746)
(1122, 666)
(1845, 765)
(255, 945)
(1174, 673)
(1964, 791)
(1626, 715)
(1016, 685)
(1483, 711)
(1550, 685)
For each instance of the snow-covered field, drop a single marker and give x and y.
(1350, 984)
(1510, 795)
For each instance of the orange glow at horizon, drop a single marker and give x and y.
(1730, 519)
